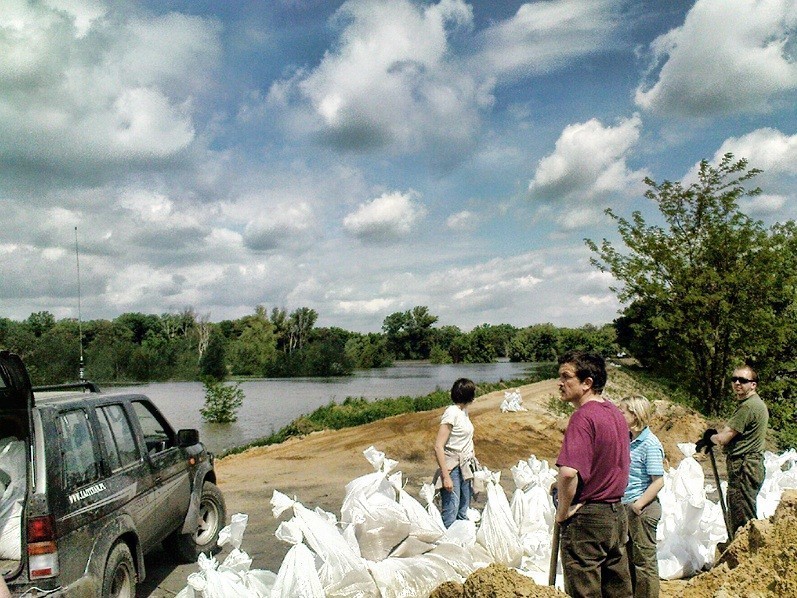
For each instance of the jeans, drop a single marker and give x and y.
(643, 561)
(594, 560)
(455, 503)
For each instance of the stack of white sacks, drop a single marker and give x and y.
(386, 544)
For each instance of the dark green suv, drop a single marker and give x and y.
(89, 483)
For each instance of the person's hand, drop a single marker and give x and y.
(636, 508)
(448, 483)
(705, 443)
(570, 512)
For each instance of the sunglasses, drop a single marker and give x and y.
(741, 380)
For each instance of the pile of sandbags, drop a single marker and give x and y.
(777, 480)
(691, 525)
(386, 544)
(512, 401)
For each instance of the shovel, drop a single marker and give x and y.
(554, 555)
(719, 491)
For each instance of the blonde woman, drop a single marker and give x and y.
(641, 496)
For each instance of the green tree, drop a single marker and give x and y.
(255, 347)
(40, 322)
(410, 334)
(213, 363)
(539, 342)
(222, 401)
(711, 288)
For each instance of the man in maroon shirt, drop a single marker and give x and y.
(593, 474)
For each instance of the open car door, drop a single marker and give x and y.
(15, 388)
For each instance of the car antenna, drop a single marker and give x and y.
(81, 371)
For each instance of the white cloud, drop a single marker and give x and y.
(81, 90)
(589, 161)
(725, 58)
(388, 217)
(391, 80)
(278, 225)
(763, 205)
(463, 221)
(545, 35)
(367, 306)
(767, 149)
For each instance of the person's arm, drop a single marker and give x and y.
(443, 435)
(649, 494)
(724, 436)
(566, 486)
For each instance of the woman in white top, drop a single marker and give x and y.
(454, 451)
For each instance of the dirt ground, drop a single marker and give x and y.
(315, 469)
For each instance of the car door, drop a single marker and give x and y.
(127, 474)
(168, 465)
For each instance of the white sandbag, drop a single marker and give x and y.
(775, 481)
(410, 547)
(691, 525)
(297, 576)
(12, 463)
(422, 525)
(411, 577)
(427, 493)
(463, 560)
(462, 532)
(369, 484)
(233, 533)
(342, 572)
(498, 532)
(211, 583)
(512, 401)
(380, 524)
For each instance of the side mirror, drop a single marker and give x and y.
(187, 437)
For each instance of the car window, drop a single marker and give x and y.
(157, 435)
(77, 449)
(119, 442)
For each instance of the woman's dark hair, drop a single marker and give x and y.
(463, 391)
(587, 365)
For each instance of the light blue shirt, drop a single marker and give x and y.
(647, 459)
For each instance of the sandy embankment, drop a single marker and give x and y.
(315, 469)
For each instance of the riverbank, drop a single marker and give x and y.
(357, 411)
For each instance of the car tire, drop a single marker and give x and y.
(210, 519)
(119, 577)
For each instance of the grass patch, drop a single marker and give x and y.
(356, 411)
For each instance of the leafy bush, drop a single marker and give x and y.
(222, 401)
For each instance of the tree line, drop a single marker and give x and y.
(137, 347)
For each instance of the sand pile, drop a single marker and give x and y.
(760, 562)
(495, 581)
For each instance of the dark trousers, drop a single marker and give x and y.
(593, 552)
(642, 557)
(745, 478)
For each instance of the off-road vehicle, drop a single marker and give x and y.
(89, 483)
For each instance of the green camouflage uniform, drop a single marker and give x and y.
(745, 459)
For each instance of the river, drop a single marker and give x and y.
(272, 403)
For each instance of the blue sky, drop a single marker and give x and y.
(367, 156)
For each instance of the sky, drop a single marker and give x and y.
(364, 157)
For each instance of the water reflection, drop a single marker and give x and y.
(272, 403)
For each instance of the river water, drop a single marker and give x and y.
(272, 403)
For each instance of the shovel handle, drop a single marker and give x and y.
(719, 491)
(554, 555)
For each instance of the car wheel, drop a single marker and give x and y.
(211, 518)
(119, 578)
